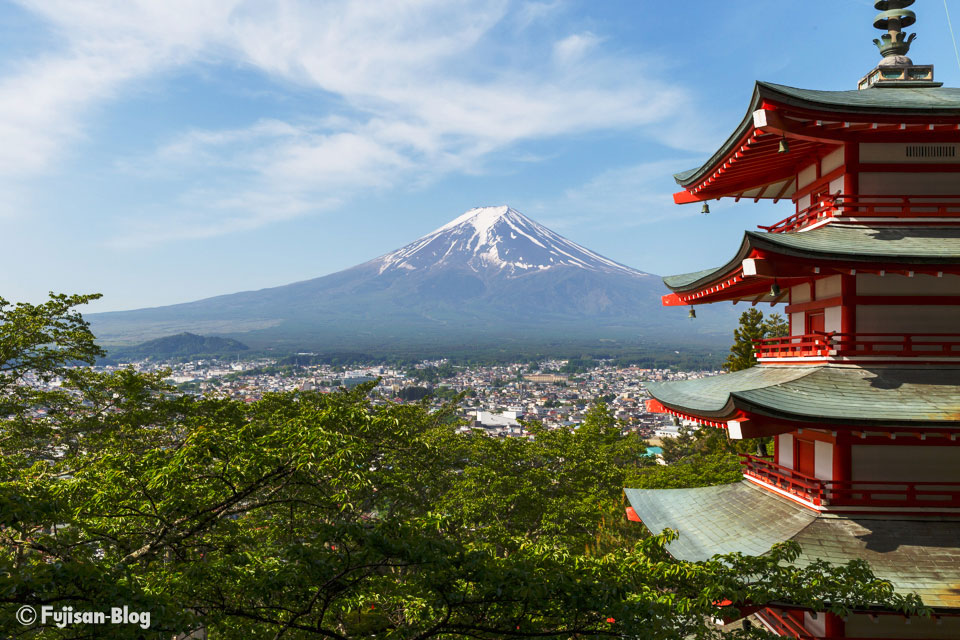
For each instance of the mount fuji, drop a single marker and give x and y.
(489, 276)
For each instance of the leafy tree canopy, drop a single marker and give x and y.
(753, 327)
(306, 515)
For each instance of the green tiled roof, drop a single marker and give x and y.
(847, 243)
(940, 101)
(886, 100)
(685, 280)
(920, 556)
(748, 524)
(839, 394)
(911, 245)
(712, 395)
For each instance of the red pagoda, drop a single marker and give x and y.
(862, 398)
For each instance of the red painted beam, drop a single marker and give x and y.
(685, 197)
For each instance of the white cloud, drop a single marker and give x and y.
(420, 95)
(574, 47)
(620, 198)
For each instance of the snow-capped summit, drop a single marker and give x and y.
(491, 276)
(497, 238)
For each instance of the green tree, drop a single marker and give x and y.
(776, 326)
(742, 352)
(308, 515)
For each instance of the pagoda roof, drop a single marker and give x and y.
(921, 556)
(834, 394)
(841, 243)
(819, 118)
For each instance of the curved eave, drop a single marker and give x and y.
(915, 397)
(697, 280)
(940, 105)
(835, 247)
(797, 245)
(692, 176)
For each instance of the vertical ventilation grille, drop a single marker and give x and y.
(931, 151)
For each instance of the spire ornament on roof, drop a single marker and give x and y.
(896, 70)
(893, 18)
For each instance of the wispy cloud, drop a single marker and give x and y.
(574, 47)
(423, 89)
(621, 198)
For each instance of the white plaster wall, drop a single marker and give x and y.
(803, 202)
(807, 176)
(831, 319)
(903, 462)
(869, 284)
(831, 161)
(828, 287)
(800, 293)
(823, 460)
(785, 450)
(921, 184)
(908, 319)
(797, 324)
(836, 185)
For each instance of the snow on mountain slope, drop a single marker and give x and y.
(500, 239)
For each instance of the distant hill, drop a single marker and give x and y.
(181, 345)
(492, 279)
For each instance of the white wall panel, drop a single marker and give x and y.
(831, 161)
(831, 319)
(807, 176)
(823, 460)
(828, 287)
(785, 450)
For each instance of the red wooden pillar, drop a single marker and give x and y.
(842, 464)
(834, 626)
(848, 306)
(851, 170)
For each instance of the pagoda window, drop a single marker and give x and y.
(907, 319)
(876, 183)
(908, 462)
(909, 153)
(869, 284)
(862, 625)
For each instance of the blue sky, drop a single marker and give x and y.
(165, 151)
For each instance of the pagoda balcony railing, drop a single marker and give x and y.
(854, 345)
(840, 205)
(852, 493)
(793, 482)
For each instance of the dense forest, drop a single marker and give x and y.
(307, 515)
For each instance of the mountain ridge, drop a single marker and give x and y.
(490, 274)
